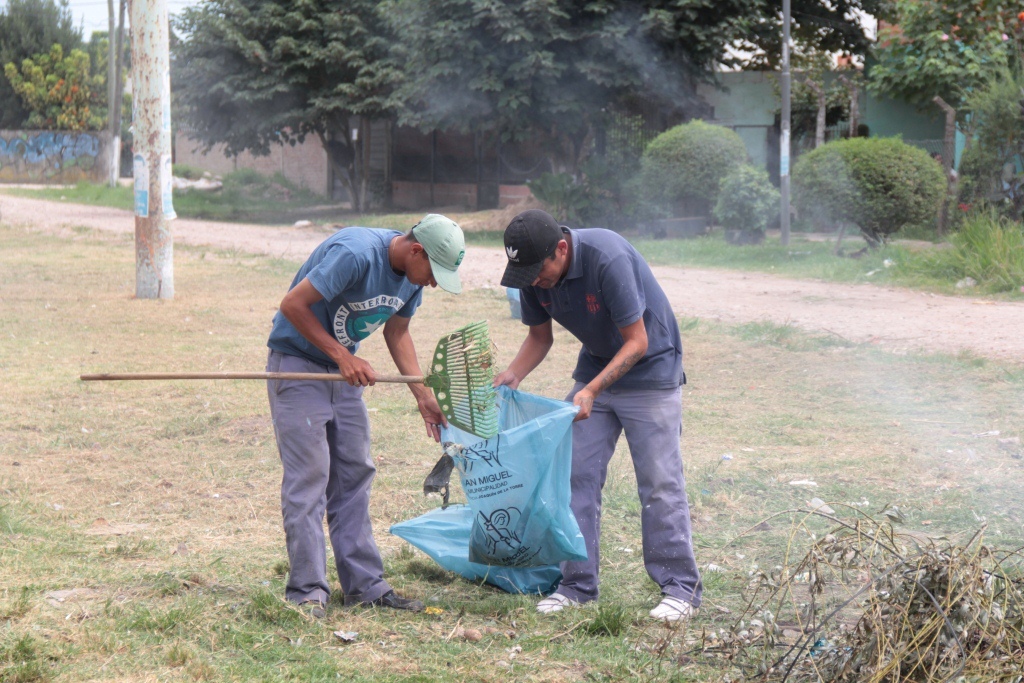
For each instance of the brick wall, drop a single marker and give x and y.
(413, 195)
(304, 164)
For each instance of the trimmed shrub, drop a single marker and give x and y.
(682, 168)
(878, 184)
(746, 200)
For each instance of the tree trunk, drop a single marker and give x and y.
(819, 127)
(342, 156)
(851, 87)
(948, 150)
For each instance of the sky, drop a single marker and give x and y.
(91, 15)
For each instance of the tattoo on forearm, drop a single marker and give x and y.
(620, 369)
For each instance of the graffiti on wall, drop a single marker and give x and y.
(46, 156)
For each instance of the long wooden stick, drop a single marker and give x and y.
(315, 376)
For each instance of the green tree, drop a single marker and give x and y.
(546, 71)
(253, 73)
(997, 112)
(944, 48)
(820, 26)
(29, 28)
(61, 92)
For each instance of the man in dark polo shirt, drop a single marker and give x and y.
(628, 378)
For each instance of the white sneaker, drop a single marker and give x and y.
(555, 602)
(673, 609)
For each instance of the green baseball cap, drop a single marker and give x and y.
(445, 245)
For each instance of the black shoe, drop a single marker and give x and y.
(395, 601)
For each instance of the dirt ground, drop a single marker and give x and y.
(896, 319)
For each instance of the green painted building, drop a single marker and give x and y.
(748, 102)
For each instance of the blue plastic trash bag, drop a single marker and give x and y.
(444, 536)
(514, 305)
(517, 483)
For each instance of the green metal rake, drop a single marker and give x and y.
(460, 375)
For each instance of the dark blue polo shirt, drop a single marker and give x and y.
(609, 286)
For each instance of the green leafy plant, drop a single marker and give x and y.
(997, 112)
(877, 184)
(746, 200)
(988, 248)
(61, 91)
(947, 48)
(567, 198)
(682, 168)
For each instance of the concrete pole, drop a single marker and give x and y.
(115, 109)
(151, 163)
(784, 141)
(112, 152)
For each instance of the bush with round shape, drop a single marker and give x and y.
(877, 184)
(746, 201)
(682, 168)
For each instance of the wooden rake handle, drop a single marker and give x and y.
(316, 376)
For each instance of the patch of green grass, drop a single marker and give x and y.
(187, 172)
(990, 256)
(269, 608)
(8, 524)
(195, 463)
(987, 248)
(17, 606)
(119, 197)
(610, 620)
(246, 196)
(803, 257)
(787, 336)
(21, 660)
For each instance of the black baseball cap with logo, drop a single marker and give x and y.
(530, 238)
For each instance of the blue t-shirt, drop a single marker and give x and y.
(360, 292)
(609, 286)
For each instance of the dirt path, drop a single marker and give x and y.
(896, 319)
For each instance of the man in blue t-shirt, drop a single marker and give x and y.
(628, 377)
(357, 281)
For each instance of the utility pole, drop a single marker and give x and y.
(112, 153)
(115, 88)
(784, 142)
(151, 164)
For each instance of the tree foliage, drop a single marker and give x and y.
(878, 184)
(819, 26)
(548, 69)
(945, 48)
(989, 168)
(62, 92)
(29, 28)
(253, 73)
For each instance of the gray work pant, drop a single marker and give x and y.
(652, 421)
(323, 436)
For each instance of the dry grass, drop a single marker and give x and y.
(157, 503)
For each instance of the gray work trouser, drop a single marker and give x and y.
(323, 436)
(652, 420)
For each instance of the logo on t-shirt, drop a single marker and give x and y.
(355, 322)
(592, 305)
